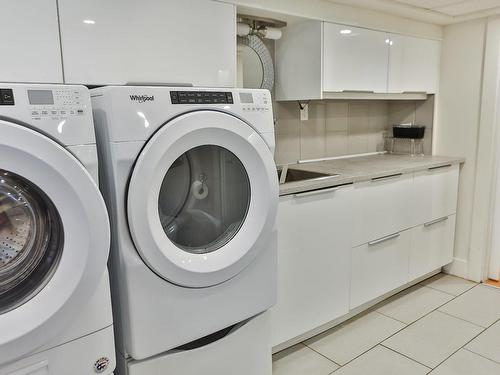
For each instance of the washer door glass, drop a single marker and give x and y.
(31, 240)
(204, 199)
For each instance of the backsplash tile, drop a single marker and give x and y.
(345, 127)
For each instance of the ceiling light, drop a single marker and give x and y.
(346, 31)
(89, 22)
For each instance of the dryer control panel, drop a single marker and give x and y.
(55, 104)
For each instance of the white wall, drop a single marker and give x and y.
(345, 14)
(457, 126)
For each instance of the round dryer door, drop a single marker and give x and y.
(202, 198)
(54, 239)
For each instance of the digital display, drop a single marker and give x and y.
(41, 97)
(246, 97)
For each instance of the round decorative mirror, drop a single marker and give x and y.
(255, 64)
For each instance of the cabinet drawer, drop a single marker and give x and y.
(379, 267)
(432, 246)
(384, 207)
(436, 191)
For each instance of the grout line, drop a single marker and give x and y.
(480, 355)
(463, 320)
(390, 317)
(321, 354)
(404, 355)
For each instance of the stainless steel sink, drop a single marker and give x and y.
(293, 175)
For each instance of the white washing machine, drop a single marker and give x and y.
(55, 305)
(191, 185)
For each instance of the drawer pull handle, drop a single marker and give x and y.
(315, 192)
(439, 167)
(383, 239)
(359, 91)
(396, 175)
(430, 223)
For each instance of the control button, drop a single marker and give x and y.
(6, 97)
(63, 112)
(79, 111)
(45, 113)
(72, 112)
(53, 112)
(174, 97)
(35, 113)
(229, 97)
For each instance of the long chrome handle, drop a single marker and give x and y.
(396, 175)
(315, 192)
(439, 167)
(383, 239)
(440, 220)
(359, 91)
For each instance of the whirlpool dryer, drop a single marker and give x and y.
(55, 305)
(191, 185)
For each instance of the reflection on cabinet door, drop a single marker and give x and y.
(413, 64)
(385, 207)
(379, 267)
(432, 246)
(436, 191)
(313, 261)
(354, 59)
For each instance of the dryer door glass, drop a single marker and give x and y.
(204, 199)
(31, 240)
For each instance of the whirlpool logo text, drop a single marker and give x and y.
(142, 98)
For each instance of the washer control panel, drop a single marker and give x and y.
(55, 104)
(254, 101)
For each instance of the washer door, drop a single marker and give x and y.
(202, 198)
(54, 239)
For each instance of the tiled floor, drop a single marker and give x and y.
(442, 326)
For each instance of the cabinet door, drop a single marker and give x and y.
(30, 47)
(436, 193)
(379, 267)
(313, 262)
(354, 59)
(432, 246)
(413, 64)
(175, 41)
(385, 206)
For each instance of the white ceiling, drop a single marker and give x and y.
(435, 11)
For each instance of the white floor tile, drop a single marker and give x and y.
(449, 284)
(487, 343)
(433, 338)
(464, 362)
(480, 305)
(346, 342)
(300, 360)
(382, 361)
(413, 303)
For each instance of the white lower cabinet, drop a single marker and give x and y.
(432, 246)
(379, 267)
(313, 261)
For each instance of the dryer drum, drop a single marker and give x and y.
(31, 240)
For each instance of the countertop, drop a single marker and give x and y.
(362, 168)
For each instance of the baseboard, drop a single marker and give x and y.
(459, 267)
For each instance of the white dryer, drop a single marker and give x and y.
(191, 185)
(55, 306)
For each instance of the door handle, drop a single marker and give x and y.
(439, 167)
(316, 192)
(388, 177)
(440, 220)
(384, 239)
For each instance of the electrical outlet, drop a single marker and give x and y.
(304, 112)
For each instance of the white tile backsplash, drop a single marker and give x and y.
(345, 127)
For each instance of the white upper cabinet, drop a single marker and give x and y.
(354, 59)
(149, 41)
(322, 60)
(30, 41)
(413, 64)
